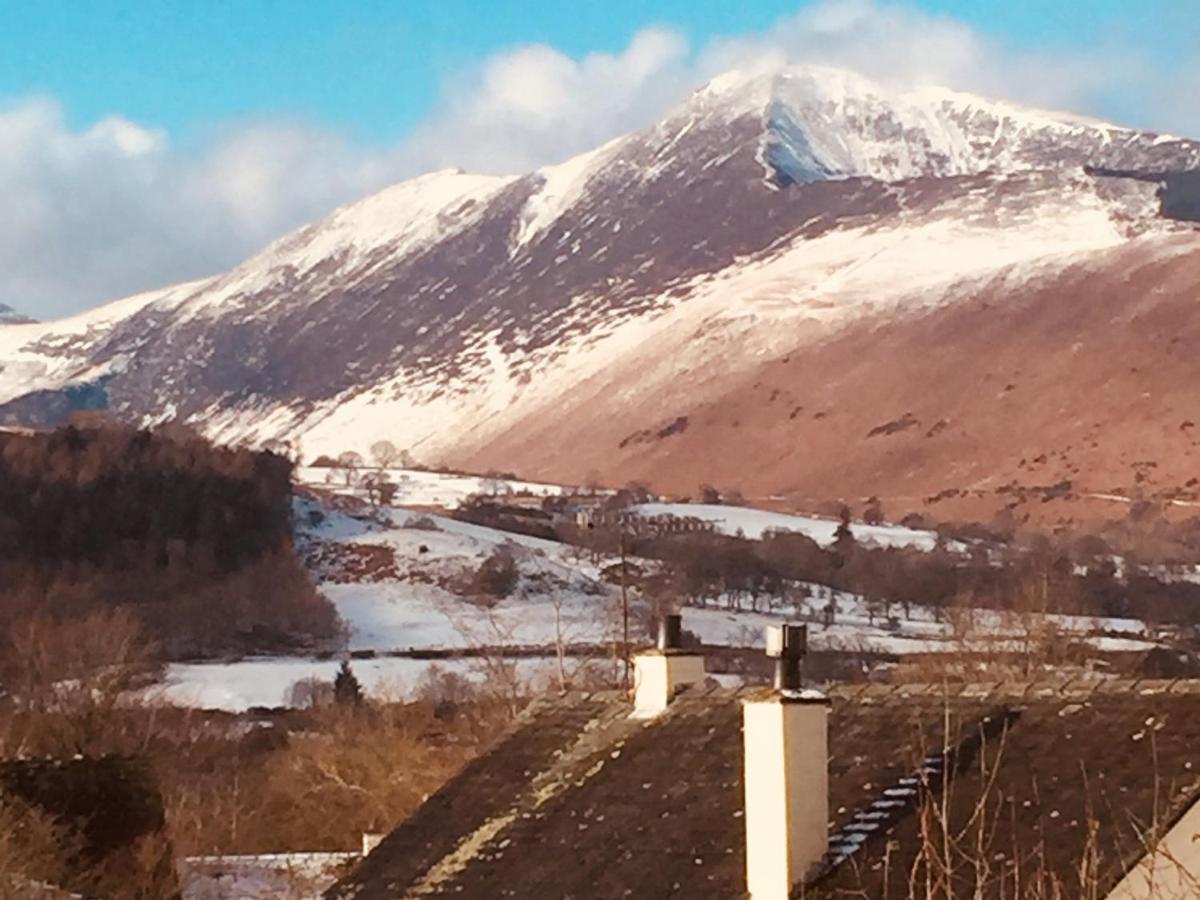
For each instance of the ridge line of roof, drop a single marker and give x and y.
(1070, 687)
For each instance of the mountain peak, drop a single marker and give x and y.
(821, 122)
(9, 316)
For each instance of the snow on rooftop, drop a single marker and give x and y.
(266, 876)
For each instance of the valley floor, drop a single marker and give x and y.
(400, 578)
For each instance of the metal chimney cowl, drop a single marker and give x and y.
(660, 673)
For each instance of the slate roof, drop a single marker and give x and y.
(581, 801)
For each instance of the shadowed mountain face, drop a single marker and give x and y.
(561, 321)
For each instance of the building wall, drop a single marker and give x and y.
(1172, 871)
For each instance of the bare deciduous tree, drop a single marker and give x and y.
(385, 454)
(348, 464)
(379, 487)
(72, 675)
(33, 849)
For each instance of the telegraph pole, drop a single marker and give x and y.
(624, 607)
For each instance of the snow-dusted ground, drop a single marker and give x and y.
(270, 876)
(752, 523)
(267, 682)
(561, 596)
(415, 487)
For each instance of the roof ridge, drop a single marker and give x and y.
(1072, 686)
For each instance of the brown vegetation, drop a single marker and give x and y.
(978, 406)
(312, 779)
(194, 539)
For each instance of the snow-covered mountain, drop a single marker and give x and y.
(580, 317)
(9, 316)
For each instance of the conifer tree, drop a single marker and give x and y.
(347, 689)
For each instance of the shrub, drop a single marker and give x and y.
(421, 523)
(498, 575)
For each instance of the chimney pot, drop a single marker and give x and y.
(787, 644)
(670, 632)
(659, 674)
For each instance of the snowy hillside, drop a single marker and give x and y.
(484, 321)
(400, 581)
(830, 123)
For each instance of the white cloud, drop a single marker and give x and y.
(536, 105)
(902, 44)
(115, 208)
(96, 214)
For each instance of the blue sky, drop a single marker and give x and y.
(144, 143)
(374, 68)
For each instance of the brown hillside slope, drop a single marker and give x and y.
(1087, 375)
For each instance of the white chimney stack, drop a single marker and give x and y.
(659, 674)
(786, 775)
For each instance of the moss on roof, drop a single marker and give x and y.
(1041, 782)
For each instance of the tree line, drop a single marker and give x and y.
(195, 539)
(786, 568)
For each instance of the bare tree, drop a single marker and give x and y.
(349, 463)
(33, 850)
(379, 487)
(310, 693)
(385, 454)
(73, 676)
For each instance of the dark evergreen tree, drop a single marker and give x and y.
(347, 690)
(843, 537)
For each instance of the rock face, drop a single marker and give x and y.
(799, 282)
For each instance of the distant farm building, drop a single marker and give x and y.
(631, 521)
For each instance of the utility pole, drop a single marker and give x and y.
(624, 608)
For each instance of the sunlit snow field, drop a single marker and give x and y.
(561, 598)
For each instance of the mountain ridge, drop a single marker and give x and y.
(9, 316)
(765, 213)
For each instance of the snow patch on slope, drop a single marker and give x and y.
(754, 523)
(45, 355)
(561, 186)
(354, 239)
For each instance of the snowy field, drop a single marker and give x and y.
(421, 604)
(753, 523)
(420, 488)
(267, 682)
(415, 487)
